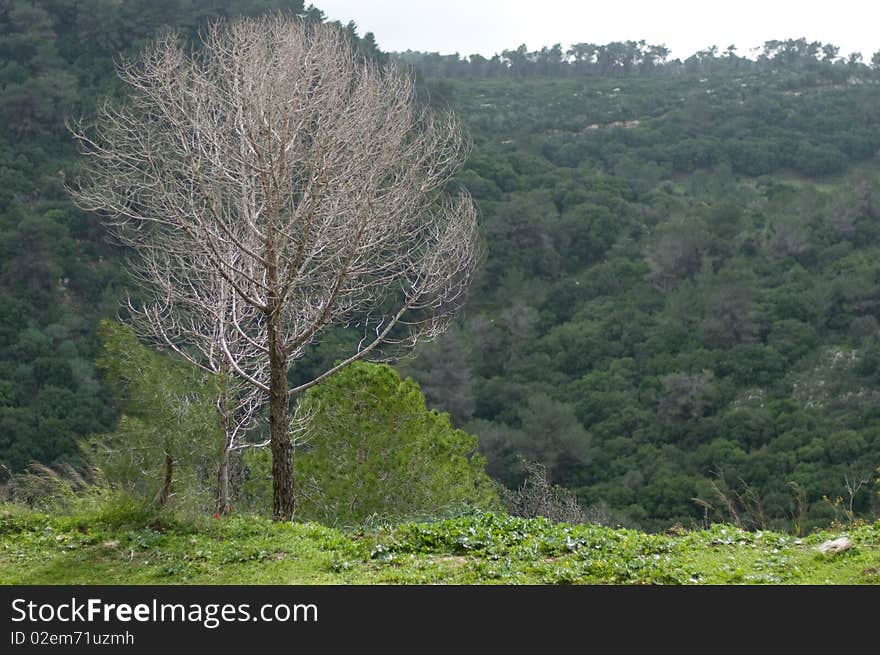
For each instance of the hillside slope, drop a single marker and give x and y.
(679, 301)
(680, 297)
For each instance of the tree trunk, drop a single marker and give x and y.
(223, 483)
(283, 498)
(226, 421)
(165, 493)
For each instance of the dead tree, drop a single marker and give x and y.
(304, 177)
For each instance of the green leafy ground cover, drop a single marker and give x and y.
(129, 547)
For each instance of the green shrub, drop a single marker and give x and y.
(372, 448)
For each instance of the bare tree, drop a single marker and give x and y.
(303, 177)
(854, 482)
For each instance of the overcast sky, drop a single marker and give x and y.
(684, 26)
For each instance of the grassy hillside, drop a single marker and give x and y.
(125, 547)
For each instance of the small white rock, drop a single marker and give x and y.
(835, 545)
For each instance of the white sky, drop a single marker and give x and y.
(684, 26)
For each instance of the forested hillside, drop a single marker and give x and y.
(678, 310)
(680, 295)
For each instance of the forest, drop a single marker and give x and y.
(676, 314)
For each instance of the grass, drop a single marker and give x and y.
(125, 546)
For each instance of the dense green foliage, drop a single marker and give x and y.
(680, 295)
(679, 298)
(367, 448)
(373, 448)
(126, 546)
